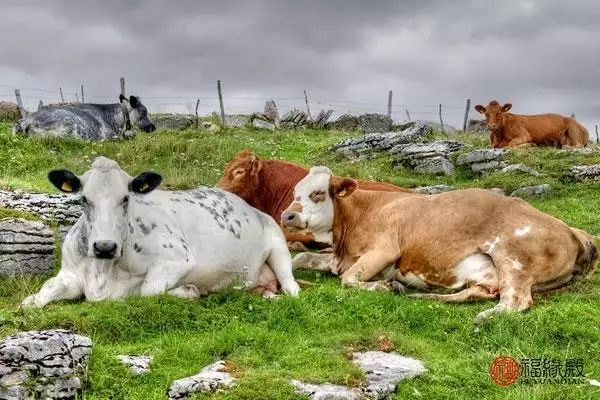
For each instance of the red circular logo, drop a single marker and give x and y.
(505, 370)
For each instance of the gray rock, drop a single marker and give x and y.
(477, 125)
(579, 150)
(271, 113)
(428, 158)
(9, 111)
(345, 122)
(520, 168)
(294, 119)
(482, 155)
(322, 118)
(46, 364)
(433, 189)
(209, 380)
(170, 121)
(532, 191)
(433, 166)
(498, 191)
(235, 121)
(259, 123)
(591, 172)
(326, 391)
(438, 127)
(60, 207)
(385, 370)
(488, 166)
(371, 123)
(26, 247)
(138, 365)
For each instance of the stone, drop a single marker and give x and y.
(62, 208)
(498, 191)
(371, 123)
(488, 166)
(259, 123)
(236, 121)
(590, 172)
(178, 122)
(271, 113)
(520, 168)
(428, 158)
(532, 191)
(433, 166)
(346, 122)
(578, 150)
(438, 127)
(294, 119)
(43, 364)
(9, 111)
(385, 370)
(138, 365)
(209, 380)
(321, 119)
(326, 391)
(433, 189)
(482, 155)
(477, 125)
(26, 247)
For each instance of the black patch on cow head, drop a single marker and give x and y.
(122, 98)
(64, 180)
(145, 182)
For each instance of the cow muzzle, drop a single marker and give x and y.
(492, 127)
(105, 249)
(291, 219)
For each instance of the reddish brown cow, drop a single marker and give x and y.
(514, 130)
(268, 185)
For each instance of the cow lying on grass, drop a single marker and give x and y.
(513, 130)
(86, 120)
(135, 240)
(268, 185)
(473, 241)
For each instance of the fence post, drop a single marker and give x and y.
(389, 113)
(122, 82)
(82, 97)
(466, 120)
(62, 98)
(307, 106)
(197, 104)
(220, 92)
(76, 97)
(19, 101)
(441, 120)
(597, 137)
(407, 114)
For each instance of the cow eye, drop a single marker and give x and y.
(125, 199)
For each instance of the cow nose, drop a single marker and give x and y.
(105, 249)
(152, 128)
(492, 127)
(289, 218)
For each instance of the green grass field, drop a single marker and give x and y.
(267, 343)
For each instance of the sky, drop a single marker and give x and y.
(540, 55)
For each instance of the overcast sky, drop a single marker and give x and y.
(542, 55)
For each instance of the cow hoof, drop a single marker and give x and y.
(297, 246)
(29, 302)
(397, 287)
(267, 294)
(291, 288)
(326, 250)
(128, 134)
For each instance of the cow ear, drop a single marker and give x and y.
(506, 107)
(145, 182)
(122, 98)
(480, 109)
(344, 187)
(134, 101)
(64, 180)
(255, 164)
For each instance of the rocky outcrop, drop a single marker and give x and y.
(269, 117)
(325, 391)
(371, 123)
(178, 122)
(484, 160)
(65, 209)
(520, 168)
(236, 121)
(586, 172)
(477, 125)
(211, 379)
(9, 111)
(26, 247)
(532, 191)
(138, 365)
(345, 122)
(294, 119)
(43, 365)
(428, 158)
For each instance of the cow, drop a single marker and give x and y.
(475, 242)
(86, 120)
(514, 130)
(133, 239)
(268, 185)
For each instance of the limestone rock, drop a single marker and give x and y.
(60, 207)
(433, 189)
(138, 365)
(211, 379)
(44, 364)
(591, 172)
(235, 121)
(371, 123)
(482, 155)
(429, 158)
(520, 168)
(271, 113)
(326, 391)
(9, 111)
(532, 191)
(294, 119)
(477, 125)
(321, 119)
(259, 123)
(345, 122)
(26, 247)
(488, 166)
(171, 121)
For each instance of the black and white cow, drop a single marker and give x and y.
(134, 240)
(86, 120)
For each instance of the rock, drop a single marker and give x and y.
(520, 168)
(579, 150)
(488, 166)
(259, 123)
(177, 122)
(345, 122)
(208, 126)
(385, 370)
(438, 127)
(326, 391)
(59, 207)
(321, 120)
(532, 191)
(481, 155)
(498, 191)
(428, 158)
(371, 123)
(433, 166)
(138, 365)
(9, 111)
(46, 364)
(26, 247)
(591, 172)
(236, 121)
(209, 380)
(294, 119)
(433, 189)
(271, 113)
(477, 125)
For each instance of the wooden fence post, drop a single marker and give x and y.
(466, 120)
(76, 97)
(389, 110)
(407, 114)
(197, 104)
(597, 137)
(307, 106)
(122, 82)
(19, 101)
(220, 93)
(82, 96)
(62, 98)
(441, 120)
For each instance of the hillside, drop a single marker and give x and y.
(271, 342)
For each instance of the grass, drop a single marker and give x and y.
(267, 343)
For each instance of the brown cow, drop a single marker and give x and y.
(513, 130)
(268, 185)
(473, 241)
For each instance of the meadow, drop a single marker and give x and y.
(268, 343)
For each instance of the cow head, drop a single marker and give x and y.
(494, 119)
(105, 191)
(241, 175)
(138, 113)
(314, 198)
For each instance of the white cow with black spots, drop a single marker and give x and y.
(135, 240)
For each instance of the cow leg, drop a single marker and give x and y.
(280, 262)
(472, 293)
(64, 286)
(187, 292)
(367, 266)
(313, 261)
(163, 277)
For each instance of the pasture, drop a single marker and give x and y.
(268, 343)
